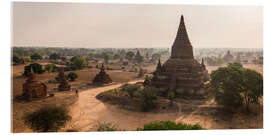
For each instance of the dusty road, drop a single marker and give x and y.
(88, 111)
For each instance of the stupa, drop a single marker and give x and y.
(228, 57)
(62, 79)
(181, 73)
(102, 77)
(32, 88)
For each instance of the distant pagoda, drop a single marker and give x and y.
(102, 77)
(181, 73)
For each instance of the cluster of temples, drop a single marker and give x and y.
(181, 73)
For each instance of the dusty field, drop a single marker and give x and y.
(88, 111)
(85, 77)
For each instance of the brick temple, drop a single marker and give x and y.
(181, 73)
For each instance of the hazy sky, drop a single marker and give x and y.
(121, 25)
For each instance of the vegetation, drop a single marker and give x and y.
(36, 56)
(35, 67)
(149, 98)
(78, 62)
(49, 67)
(72, 76)
(130, 55)
(171, 97)
(169, 125)
(130, 89)
(107, 127)
(235, 86)
(54, 56)
(49, 118)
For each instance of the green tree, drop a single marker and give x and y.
(36, 56)
(27, 59)
(78, 62)
(72, 76)
(49, 118)
(106, 58)
(36, 68)
(130, 55)
(235, 86)
(16, 59)
(149, 98)
(54, 56)
(49, 67)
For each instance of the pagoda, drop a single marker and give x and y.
(181, 73)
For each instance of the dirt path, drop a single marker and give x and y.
(88, 111)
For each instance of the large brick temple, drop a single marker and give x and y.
(181, 73)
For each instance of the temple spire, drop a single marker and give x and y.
(182, 32)
(182, 47)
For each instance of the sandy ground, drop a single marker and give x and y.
(88, 111)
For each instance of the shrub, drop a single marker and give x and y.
(171, 97)
(72, 76)
(35, 67)
(16, 59)
(49, 118)
(106, 127)
(169, 125)
(54, 56)
(148, 97)
(49, 67)
(36, 56)
(130, 89)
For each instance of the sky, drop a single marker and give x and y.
(97, 25)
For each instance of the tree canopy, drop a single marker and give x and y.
(235, 86)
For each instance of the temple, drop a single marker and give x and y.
(181, 73)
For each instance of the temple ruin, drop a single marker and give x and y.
(32, 88)
(228, 57)
(102, 77)
(181, 73)
(62, 79)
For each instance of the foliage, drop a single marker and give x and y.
(106, 127)
(78, 62)
(36, 56)
(169, 125)
(234, 85)
(156, 56)
(16, 59)
(49, 118)
(27, 59)
(72, 76)
(148, 97)
(54, 56)
(36, 68)
(49, 67)
(106, 58)
(130, 89)
(171, 97)
(130, 55)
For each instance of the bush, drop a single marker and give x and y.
(35, 67)
(169, 125)
(148, 99)
(36, 56)
(49, 67)
(106, 127)
(72, 76)
(49, 118)
(78, 62)
(234, 86)
(54, 56)
(171, 97)
(130, 89)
